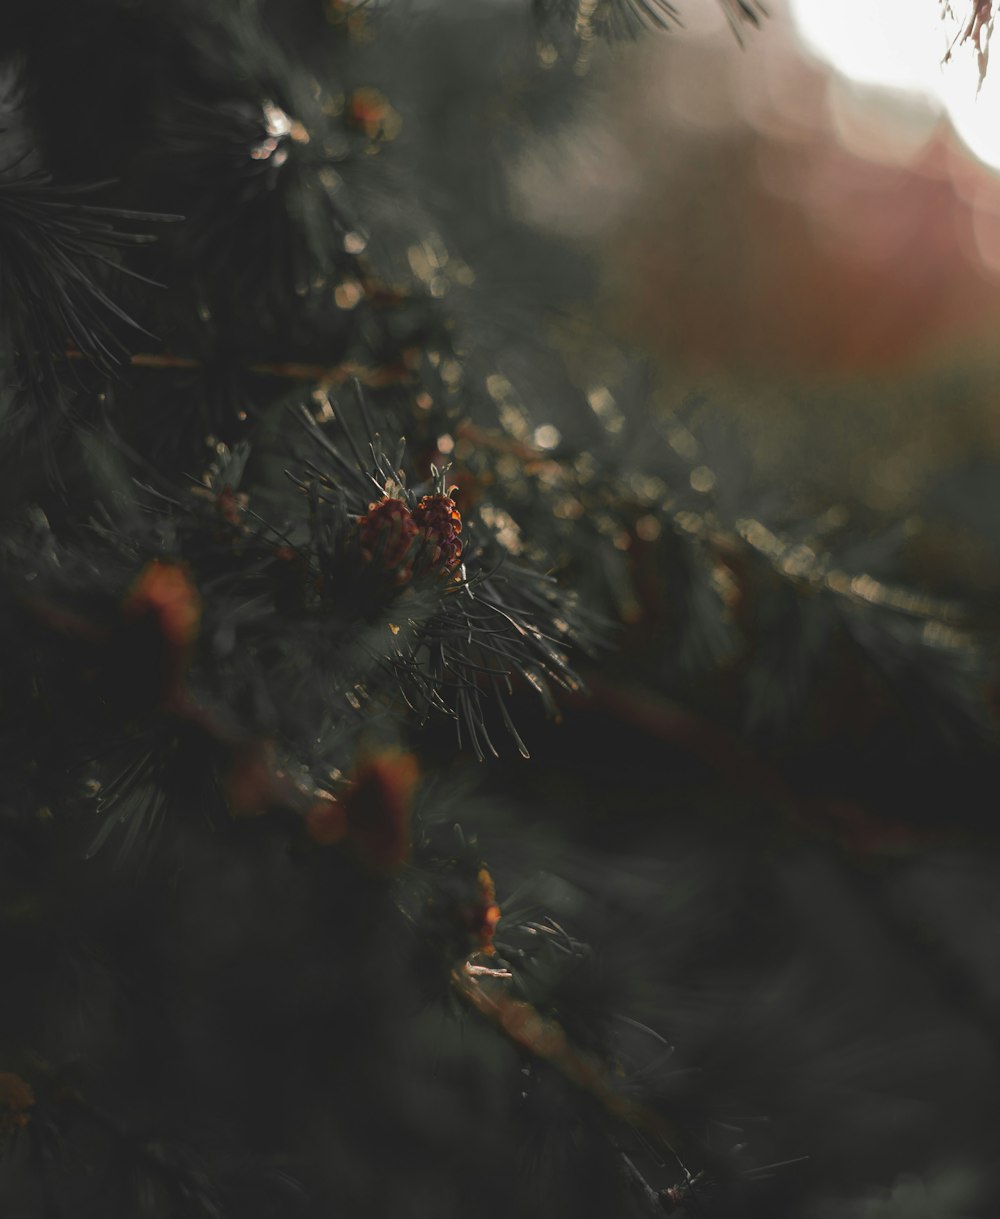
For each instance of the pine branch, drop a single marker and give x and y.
(53, 258)
(330, 376)
(626, 20)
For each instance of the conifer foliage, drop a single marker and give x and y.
(307, 542)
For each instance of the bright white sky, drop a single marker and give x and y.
(900, 45)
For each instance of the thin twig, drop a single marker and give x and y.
(738, 766)
(324, 374)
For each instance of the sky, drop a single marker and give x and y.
(903, 46)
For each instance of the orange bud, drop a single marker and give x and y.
(369, 110)
(377, 805)
(480, 917)
(16, 1098)
(165, 591)
(326, 821)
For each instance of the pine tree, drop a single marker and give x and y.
(414, 797)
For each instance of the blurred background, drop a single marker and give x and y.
(801, 227)
(775, 251)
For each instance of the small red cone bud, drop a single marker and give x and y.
(440, 523)
(388, 534)
(164, 591)
(230, 506)
(326, 820)
(370, 112)
(164, 597)
(480, 917)
(377, 806)
(16, 1098)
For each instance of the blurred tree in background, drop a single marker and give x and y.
(500, 546)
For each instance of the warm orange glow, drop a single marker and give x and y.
(165, 591)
